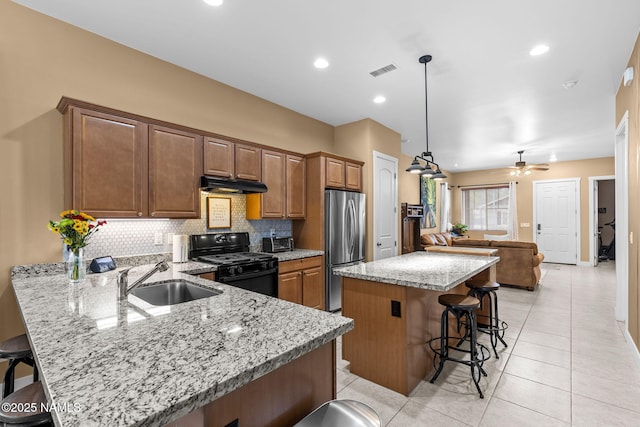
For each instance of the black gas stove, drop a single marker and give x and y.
(237, 266)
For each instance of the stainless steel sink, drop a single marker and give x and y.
(170, 292)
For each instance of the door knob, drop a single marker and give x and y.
(378, 244)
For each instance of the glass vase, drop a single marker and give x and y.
(76, 269)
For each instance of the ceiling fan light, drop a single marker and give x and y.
(527, 172)
(415, 167)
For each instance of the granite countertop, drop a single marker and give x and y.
(296, 254)
(425, 270)
(129, 363)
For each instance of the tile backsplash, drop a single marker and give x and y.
(121, 237)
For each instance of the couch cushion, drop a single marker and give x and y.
(436, 239)
(428, 239)
(514, 244)
(471, 242)
(497, 237)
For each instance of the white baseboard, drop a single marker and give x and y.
(634, 350)
(584, 264)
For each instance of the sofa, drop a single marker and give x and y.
(519, 264)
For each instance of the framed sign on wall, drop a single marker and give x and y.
(218, 212)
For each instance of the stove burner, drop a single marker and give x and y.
(235, 258)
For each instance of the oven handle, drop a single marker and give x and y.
(230, 279)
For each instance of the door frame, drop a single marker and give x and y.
(622, 220)
(593, 218)
(378, 203)
(535, 212)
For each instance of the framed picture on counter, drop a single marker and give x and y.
(218, 212)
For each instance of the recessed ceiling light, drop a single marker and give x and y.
(321, 63)
(379, 99)
(539, 50)
(569, 84)
(213, 2)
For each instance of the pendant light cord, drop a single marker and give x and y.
(426, 106)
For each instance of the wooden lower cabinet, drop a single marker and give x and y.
(281, 398)
(302, 281)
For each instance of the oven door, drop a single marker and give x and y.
(264, 282)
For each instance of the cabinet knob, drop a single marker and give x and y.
(153, 214)
(139, 213)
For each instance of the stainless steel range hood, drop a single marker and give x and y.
(224, 185)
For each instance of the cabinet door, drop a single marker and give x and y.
(313, 288)
(334, 173)
(107, 165)
(248, 162)
(273, 202)
(353, 179)
(290, 287)
(175, 163)
(296, 189)
(219, 157)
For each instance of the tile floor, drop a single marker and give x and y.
(567, 364)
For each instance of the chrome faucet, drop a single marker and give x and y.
(123, 279)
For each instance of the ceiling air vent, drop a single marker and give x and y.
(383, 70)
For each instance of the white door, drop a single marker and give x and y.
(385, 206)
(556, 220)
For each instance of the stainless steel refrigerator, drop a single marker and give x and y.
(344, 228)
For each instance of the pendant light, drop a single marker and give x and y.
(426, 156)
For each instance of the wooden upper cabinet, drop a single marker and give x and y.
(273, 202)
(343, 174)
(175, 159)
(247, 164)
(284, 175)
(219, 157)
(296, 188)
(105, 164)
(334, 172)
(353, 176)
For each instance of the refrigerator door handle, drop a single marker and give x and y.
(351, 214)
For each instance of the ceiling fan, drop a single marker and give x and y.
(521, 168)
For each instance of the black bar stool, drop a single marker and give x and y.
(463, 307)
(491, 324)
(26, 407)
(17, 350)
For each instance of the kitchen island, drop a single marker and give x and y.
(394, 303)
(236, 355)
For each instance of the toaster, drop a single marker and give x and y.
(277, 244)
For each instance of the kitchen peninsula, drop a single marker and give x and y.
(394, 303)
(130, 363)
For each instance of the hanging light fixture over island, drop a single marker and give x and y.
(431, 168)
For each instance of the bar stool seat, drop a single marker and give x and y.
(26, 407)
(463, 308)
(17, 350)
(343, 413)
(491, 324)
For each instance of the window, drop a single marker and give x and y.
(486, 208)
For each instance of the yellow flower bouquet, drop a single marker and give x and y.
(75, 228)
